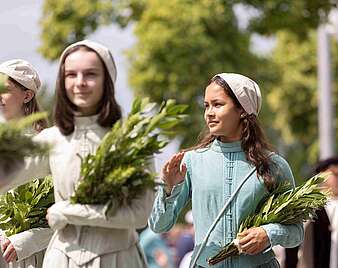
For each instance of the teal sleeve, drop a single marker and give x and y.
(280, 234)
(287, 236)
(167, 208)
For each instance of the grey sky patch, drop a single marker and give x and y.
(19, 30)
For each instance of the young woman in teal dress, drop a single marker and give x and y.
(209, 173)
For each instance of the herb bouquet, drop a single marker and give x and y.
(15, 145)
(281, 206)
(119, 170)
(25, 207)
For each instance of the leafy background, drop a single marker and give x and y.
(182, 44)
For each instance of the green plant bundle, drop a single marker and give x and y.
(15, 145)
(119, 170)
(281, 206)
(25, 207)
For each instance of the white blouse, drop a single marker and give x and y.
(88, 232)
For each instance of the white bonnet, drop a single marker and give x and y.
(246, 90)
(102, 51)
(22, 72)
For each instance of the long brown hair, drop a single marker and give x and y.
(109, 110)
(31, 107)
(253, 140)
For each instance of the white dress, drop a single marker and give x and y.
(89, 238)
(30, 247)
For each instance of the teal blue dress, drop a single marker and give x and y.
(212, 174)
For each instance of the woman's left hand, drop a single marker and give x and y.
(253, 240)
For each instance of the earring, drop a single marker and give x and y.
(242, 115)
(26, 110)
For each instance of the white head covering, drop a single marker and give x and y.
(246, 91)
(103, 52)
(22, 72)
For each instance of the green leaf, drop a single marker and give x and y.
(18, 214)
(285, 207)
(28, 196)
(117, 172)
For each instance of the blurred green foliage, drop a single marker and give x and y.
(293, 97)
(297, 16)
(46, 102)
(66, 21)
(181, 44)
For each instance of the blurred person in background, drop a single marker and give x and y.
(25, 249)
(156, 249)
(319, 249)
(185, 241)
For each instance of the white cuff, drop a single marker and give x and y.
(56, 219)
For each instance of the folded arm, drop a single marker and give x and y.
(29, 242)
(134, 215)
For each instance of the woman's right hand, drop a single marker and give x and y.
(9, 252)
(172, 172)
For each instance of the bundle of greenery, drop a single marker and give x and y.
(25, 207)
(119, 170)
(281, 206)
(15, 145)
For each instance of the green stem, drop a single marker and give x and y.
(229, 250)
